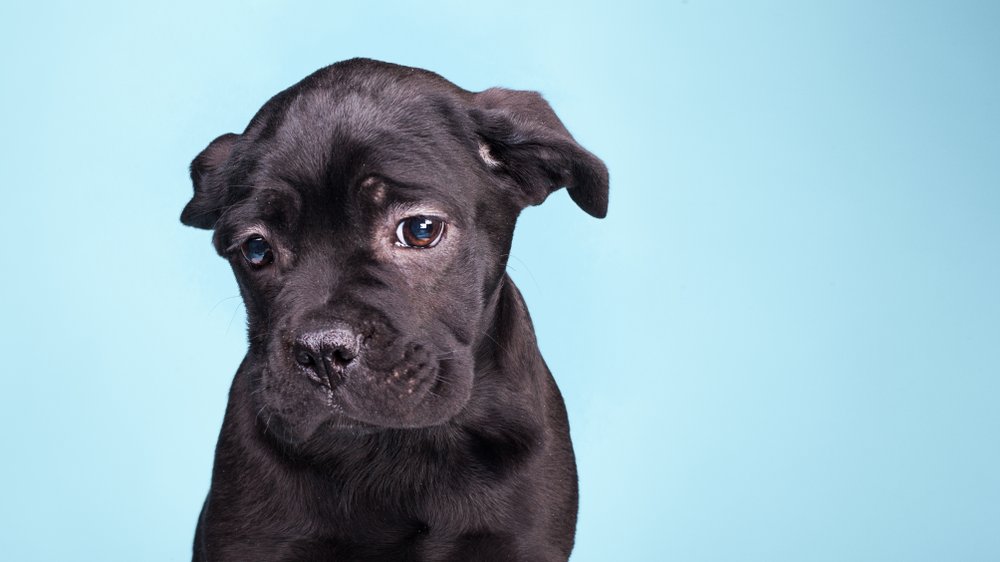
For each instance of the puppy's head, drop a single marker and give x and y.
(367, 213)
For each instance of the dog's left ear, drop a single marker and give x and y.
(523, 138)
(209, 197)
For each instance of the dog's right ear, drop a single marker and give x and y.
(209, 197)
(522, 138)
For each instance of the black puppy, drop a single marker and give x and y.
(393, 404)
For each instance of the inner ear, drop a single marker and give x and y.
(208, 178)
(486, 155)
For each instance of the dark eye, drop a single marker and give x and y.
(257, 251)
(419, 232)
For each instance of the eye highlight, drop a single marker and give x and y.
(256, 251)
(419, 232)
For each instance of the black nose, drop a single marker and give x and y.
(327, 353)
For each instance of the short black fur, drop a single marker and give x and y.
(393, 404)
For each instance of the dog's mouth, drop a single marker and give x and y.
(383, 395)
(416, 389)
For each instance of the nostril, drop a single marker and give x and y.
(342, 356)
(303, 358)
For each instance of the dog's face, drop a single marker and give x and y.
(367, 213)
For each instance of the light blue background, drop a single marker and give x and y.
(782, 344)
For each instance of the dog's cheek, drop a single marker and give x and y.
(441, 284)
(457, 391)
(288, 409)
(259, 294)
(388, 405)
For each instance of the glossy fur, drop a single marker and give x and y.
(443, 437)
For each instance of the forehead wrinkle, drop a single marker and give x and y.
(413, 196)
(326, 132)
(277, 205)
(332, 136)
(441, 171)
(319, 126)
(300, 147)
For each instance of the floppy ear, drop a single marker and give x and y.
(523, 138)
(209, 184)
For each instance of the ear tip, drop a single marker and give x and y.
(203, 209)
(591, 193)
(594, 203)
(196, 217)
(598, 211)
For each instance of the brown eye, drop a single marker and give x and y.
(257, 251)
(419, 232)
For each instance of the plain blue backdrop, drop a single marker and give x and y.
(782, 344)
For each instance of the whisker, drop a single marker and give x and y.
(233, 317)
(216, 305)
(526, 268)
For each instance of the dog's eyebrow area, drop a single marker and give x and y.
(390, 194)
(236, 236)
(398, 211)
(271, 207)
